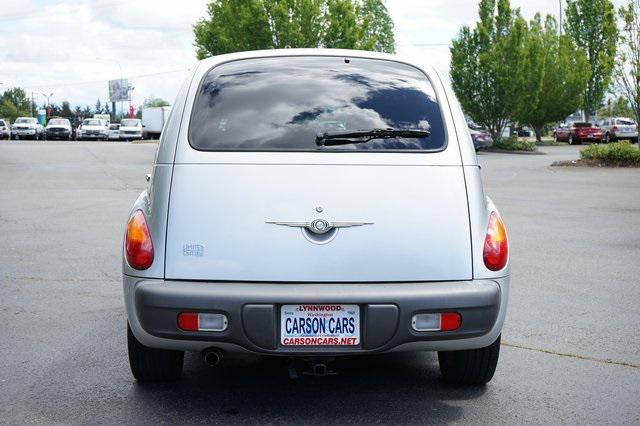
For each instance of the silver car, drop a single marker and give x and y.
(618, 128)
(314, 204)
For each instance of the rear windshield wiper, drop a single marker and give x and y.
(362, 136)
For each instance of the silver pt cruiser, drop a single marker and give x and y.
(311, 204)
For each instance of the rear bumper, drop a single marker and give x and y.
(253, 310)
(586, 138)
(624, 135)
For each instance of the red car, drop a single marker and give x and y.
(578, 132)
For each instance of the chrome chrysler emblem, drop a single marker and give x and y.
(319, 226)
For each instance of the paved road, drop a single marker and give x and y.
(571, 353)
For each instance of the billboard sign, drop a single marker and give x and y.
(118, 90)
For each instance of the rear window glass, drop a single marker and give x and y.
(581, 124)
(2, 123)
(625, 122)
(283, 104)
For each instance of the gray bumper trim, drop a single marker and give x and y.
(253, 309)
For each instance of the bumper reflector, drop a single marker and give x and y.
(192, 321)
(446, 321)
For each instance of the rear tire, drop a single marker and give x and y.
(153, 365)
(470, 367)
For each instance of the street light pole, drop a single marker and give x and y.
(48, 103)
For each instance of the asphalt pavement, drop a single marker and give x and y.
(571, 347)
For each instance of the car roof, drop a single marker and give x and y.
(416, 61)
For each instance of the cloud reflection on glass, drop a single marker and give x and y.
(283, 103)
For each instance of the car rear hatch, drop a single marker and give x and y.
(243, 212)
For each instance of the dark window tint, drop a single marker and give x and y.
(581, 124)
(284, 103)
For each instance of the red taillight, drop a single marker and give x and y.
(138, 244)
(188, 321)
(496, 247)
(450, 321)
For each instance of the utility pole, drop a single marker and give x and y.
(32, 104)
(560, 27)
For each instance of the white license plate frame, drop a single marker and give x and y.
(331, 324)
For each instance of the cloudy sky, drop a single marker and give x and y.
(72, 47)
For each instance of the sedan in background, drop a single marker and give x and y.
(114, 132)
(481, 139)
(5, 129)
(577, 132)
(59, 128)
(93, 129)
(130, 129)
(27, 128)
(618, 128)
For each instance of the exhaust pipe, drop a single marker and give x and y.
(211, 356)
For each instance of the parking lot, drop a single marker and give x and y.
(571, 351)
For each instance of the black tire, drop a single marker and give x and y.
(153, 365)
(634, 140)
(470, 367)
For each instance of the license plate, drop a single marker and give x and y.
(320, 325)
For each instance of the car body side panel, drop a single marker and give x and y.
(480, 207)
(154, 203)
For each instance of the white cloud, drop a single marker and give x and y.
(53, 45)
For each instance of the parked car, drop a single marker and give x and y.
(285, 238)
(481, 139)
(93, 129)
(5, 129)
(59, 128)
(27, 128)
(130, 129)
(617, 128)
(577, 132)
(114, 132)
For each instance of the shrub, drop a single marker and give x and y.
(513, 144)
(616, 154)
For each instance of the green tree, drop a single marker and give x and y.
(377, 27)
(592, 25)
(18, 98)
(342, 25)
(627, 69)
(240, 25)
(152, 102)
(99, 109)
(294, 23)
(553, 75)
(485, 64)
(65, 111)
(232, 26)
(618, 107)
(8, 110)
